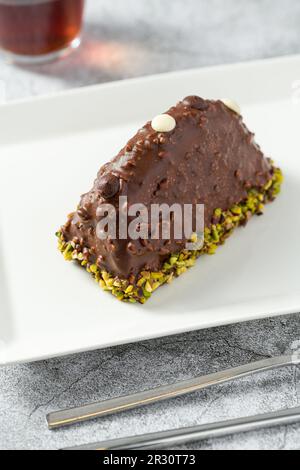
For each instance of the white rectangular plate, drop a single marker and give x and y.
(50, 151)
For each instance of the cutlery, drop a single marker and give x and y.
(116, 405)
(172, 437)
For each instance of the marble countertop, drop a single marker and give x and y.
(126, 39)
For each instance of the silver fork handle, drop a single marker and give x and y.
(116, 405)
(172, 437)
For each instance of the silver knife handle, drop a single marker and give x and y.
(196, 433)
(116, 405)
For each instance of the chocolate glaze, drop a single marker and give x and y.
(210, 158)
(108, 185)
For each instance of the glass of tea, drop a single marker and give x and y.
(37, 31)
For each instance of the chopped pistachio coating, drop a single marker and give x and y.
(147, 282)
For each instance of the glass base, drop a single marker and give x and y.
(43, 58)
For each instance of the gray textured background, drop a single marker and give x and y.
(125, 39)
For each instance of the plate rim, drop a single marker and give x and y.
(144, 78)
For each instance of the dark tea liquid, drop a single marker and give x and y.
(38, 27)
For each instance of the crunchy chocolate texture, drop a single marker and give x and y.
(209, 158)
(139, 288)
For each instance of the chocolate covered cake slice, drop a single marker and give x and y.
(199, 152)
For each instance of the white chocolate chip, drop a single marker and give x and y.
(232, 105)
(163, 123)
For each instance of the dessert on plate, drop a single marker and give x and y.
(199, 152)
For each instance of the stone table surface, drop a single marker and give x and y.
(126, 39)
